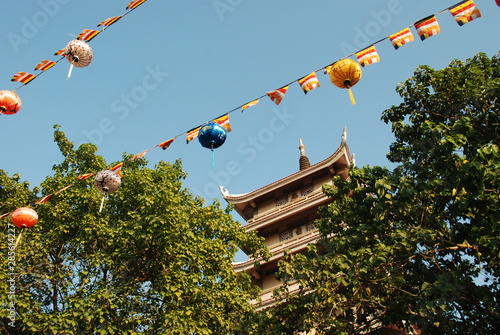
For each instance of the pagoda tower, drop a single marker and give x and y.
(284, 212)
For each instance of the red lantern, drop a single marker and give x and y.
(24, 217)
(9, 102)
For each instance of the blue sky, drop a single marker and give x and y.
(172, 65)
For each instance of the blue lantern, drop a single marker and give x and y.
(212, 135)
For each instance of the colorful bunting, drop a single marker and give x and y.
(87, 35)
(401, 38)
(44, 65)
(108, 22)
(277, 95)
(192, 134)
(23, 77)
(250, 104)
(464, 12)
(309, 82)
(166, 144)
(368, 56)
(134, 4)
(223, 121)
(427, 27)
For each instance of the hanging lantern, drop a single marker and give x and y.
(10, 103)
(212, 135)
(78, 53)
(24, 217)
(345, 74)
(107, 182)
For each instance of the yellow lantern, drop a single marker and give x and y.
(345, 74)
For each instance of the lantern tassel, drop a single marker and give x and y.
(102, 203)
(351, 96)
(70, 71)
(212, 158)
(18, 238)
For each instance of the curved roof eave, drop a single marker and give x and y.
(343, 150)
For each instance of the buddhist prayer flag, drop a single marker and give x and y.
(401, 38)
(134, 4)
(63, 189)
(44, 65)
(140, 154)
(368, 56)
(309, 82)
(85, 176)
(192, 134)
(108, 22)
(60, 52)
(223, 121)
(23, 77)
(277, 95)
(464, 12)
(87, 34)
(427, 27)
(117, 167)
(43, 200)
(166, 144)
(250, 104)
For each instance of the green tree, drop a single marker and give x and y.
(156, 260)
(418, 245)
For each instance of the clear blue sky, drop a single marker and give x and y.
(172, 65)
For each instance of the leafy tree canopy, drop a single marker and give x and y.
(418, 245)
(156, 260)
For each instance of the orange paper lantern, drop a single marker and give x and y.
(24, 217)
(10, 103)
(345, 74)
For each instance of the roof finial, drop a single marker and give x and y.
(344, 136)
(303, 160)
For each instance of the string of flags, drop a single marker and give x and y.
(343, 73)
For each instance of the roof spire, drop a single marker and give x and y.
(303, 160)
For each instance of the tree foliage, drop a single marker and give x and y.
(156, 260)
(418, 245)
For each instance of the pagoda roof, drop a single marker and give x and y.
(337, 163)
